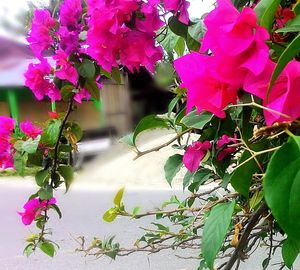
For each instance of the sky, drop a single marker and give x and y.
(10, 8)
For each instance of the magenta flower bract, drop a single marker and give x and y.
(204, 90)
(194, 154)
(224, 151)
(40, 38)
(37, 79)
(30, 130)
(70, 14)
(117, 37)
(66, 71)
(7, 125)
(178, 6)
(68, 40)
(34, 208)
(284, 94)
(237, 40)
(82, 94)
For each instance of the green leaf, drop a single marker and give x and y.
(28, 250)
(290, 251)
(177, 27)
(196, 120)
(105, 73)
(187, 179)
(241, 178)
(288, 54)
(196, 30)
(172, 104)
(265, 11)
(41, 177)
(57, 210)
(93, 89)
(292, 26)
(116, 75)
(164, 73)
(52, 132)
(66, 92)
(67, 172)
(48, 248)
(180, 46)
(192, 44)
(167, 39)
(282, 187)
(215, 230)
(270, 7)
(135, 211)
(147, 123)
(46, 193)
(127, 139)
(172, 167)
(86, 69)
(119, 196)
(30, 146)
(20, 161)
(110, 215)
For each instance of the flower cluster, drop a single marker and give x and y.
(197, 151)
(236, 42)
(7, 126)
(194, 154)
(122, 33)
(33, 208)
(118, 33)
(40, 77)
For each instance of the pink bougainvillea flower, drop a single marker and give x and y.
(70, 14)
(237, 36)
(194, 154)
(37, 80)
(68, 40)
(222, 144)
(65, 71)
(30, 130)
(178, 6)
(284, 95)
(138, 50)
(119, 33)
(7, 125)
(204, 90)
(40, 38)
(34, 208)
(151, 21)
(82, 94)
(6, 160)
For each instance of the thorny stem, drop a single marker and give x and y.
(244, 238)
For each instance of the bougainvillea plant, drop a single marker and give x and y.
(235, 75)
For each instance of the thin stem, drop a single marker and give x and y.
(157, 148)
(62, 127)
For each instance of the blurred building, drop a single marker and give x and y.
(112, 112)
